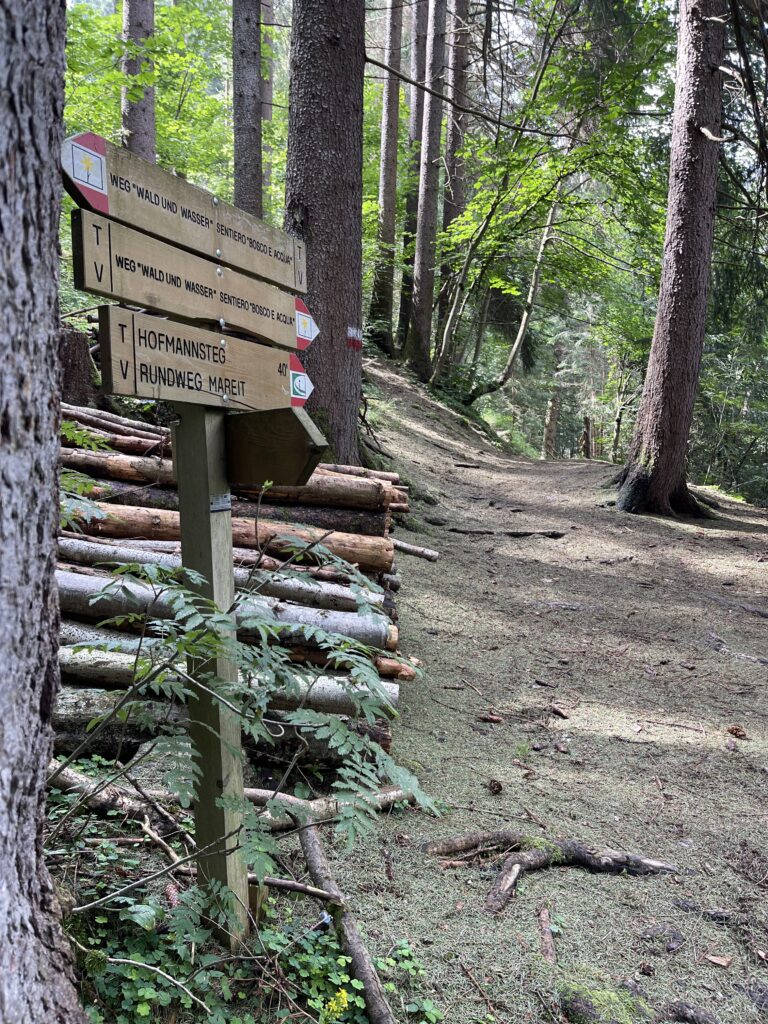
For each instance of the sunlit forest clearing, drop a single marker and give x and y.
(384, 484)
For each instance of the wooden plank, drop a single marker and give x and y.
(214, 730)
(108, 179)
(121, 263)
(147, 357)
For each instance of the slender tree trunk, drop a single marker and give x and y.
(454, 194)
(267, 95)
(585, 443)
(482, 322)
(654, 479)
(415, 121)
(323, 203)
(530, 302)
(246, 89)
(420, 330)
(138, 115)
(616, 439)
(549, 444)
(36, 969)
(384, 278)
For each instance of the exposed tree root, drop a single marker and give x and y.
(530, 853)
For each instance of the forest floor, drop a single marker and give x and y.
(647, 634)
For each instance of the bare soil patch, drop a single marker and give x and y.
(622, 656)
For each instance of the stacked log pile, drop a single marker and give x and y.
(345, 509)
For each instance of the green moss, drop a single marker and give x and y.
(540, 843)
(585, 1004)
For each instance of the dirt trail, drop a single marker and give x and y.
(645, 633)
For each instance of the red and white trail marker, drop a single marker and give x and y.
(306, 328)
(301, 386)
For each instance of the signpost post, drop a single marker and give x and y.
(150, 239)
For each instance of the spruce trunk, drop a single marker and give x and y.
(36, 965)
(654, 479)
(323, 203)
(138, 115)
(246, 103)
(384, 278)
(418, 341)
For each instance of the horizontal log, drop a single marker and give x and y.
(414, 549)
(127, 444)
(389, 668)
(320, 489)
(243, 557)
(141, 469)
(347, 520)
(371, 554)
(76, 707)
(309, 592)
(331, 694)
(77, 593)
(103, 420)
(375, 474)
(73, 633)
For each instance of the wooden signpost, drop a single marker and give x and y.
(108, 179)
(115, 261)
(147, 357)
(157, 242)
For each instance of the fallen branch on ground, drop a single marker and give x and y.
(531, 853)
(351, 940)
(414, 549)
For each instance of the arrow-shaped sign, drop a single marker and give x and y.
(108, 179)
(306, 328)
(301, 386)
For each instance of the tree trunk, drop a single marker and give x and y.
(585, 443)
(454, 195)
(267, 93)
(415, 122)
(323, 203)
(246, 89)
(384, 278)
(36, 969)
(533, 290)
(654, 479)
(419, 336)
(138, 115)
(549, 445)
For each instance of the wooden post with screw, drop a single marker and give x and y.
(206, 546)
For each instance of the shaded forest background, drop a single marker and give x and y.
(551, 205)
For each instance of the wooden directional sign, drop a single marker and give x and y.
(108, 179)
(147, 357)
(282, 446)
(120, 263)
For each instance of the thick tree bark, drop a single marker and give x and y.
(246, 89)
(138, 115)
(415, 121)
(417, 345)
(323, 203)
(454, 195)
(36, 970)
(654, 479)
(384, 278)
